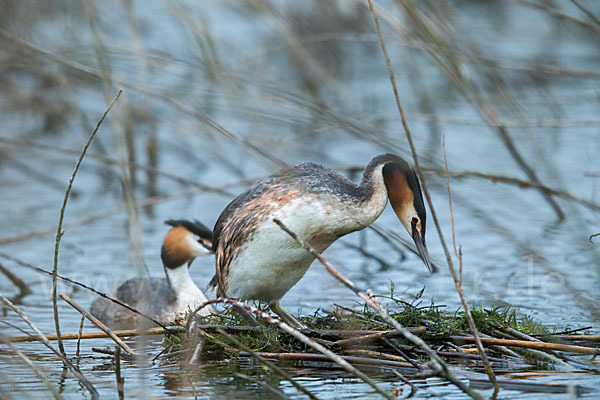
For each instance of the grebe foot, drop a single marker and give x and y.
(286, 316)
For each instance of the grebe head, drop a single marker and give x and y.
(404, 192)
(184, 242)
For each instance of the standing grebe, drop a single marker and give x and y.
(256, 260)
(166, 297)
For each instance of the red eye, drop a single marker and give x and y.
(415, 220)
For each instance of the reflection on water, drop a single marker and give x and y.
(216, 96)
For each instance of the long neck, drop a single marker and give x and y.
(369, 199)
(180, 280)
(373, 191)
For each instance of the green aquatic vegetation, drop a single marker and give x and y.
(439, 325)
(505, 315)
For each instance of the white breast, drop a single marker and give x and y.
(271, 262)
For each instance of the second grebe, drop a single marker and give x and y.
(166, 297)
(256, 260)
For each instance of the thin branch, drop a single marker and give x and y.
(79, 335)
(450, 199)
(120, 380)
(586, 11)
(298, 335)
(413, 387)
(268, 364)
(97, 322)
(174, 103)
(558, 14)
(97, 335)
(18, 282)
(60, 232)
(372, 337)
(529, 345)
(102, 214)
(103, 295)
(439, 367)
(458, 284)
(37, 370)
(511, 332)
(471, 91)
(111, 161)
(426, 192)
(323, 357)
(517, 182)
(74, 370)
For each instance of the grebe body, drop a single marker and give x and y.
(166, 297)
(256, 260)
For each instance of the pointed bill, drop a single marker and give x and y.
(421, 248)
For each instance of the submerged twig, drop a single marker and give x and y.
(118, 377)
(268, 364)
(413, 387)
(74, 370)
(60, 232)
(263, 384)
(37, 370)
(298, 335)
(323, 357)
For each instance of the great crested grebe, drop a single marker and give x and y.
(256, 260)
(166, 297)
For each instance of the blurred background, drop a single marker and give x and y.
(219, 94)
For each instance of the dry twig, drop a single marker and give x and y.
(60, 232)
(439, 367)
(103, 295)
(298, 335)
(371, 337)
(528, 344)
(96, 322)
(426, 192)
(458, 284)
(586, 11)
(323, 357)
(79, 335)
(558, 14)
